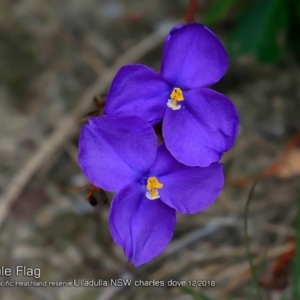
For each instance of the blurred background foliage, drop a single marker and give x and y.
(265, 29)
(262, 28)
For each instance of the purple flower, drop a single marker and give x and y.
(120, 153)
(199, 124)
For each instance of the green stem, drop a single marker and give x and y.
(247, 244)
(296, 265)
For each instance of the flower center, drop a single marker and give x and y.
(152, 185)
(175, 96)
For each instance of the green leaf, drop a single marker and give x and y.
(260, 31)
(217, 10)
(294, 27)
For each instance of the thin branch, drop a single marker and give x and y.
(190, 16)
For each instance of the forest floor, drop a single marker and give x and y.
(55, 56)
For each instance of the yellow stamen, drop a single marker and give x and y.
(152, 185)
(176, 95)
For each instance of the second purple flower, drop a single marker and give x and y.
(120, 153)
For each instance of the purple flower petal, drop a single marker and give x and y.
(138, 90)
(204, 128)
(116, 150)
(141, 226)
(193, 57)
(186, 189)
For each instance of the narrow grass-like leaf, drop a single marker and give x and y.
(196, 295)
(296, 265)
(286, 294)
(247, 245)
